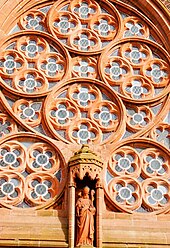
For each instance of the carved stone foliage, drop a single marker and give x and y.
(87, 72)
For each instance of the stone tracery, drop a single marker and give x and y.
(128, 98)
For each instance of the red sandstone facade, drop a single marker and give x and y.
(84, 123)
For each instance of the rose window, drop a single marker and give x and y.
(65, 23)
(83, 96)
(9, 158)
(135, 54)
(133, 29)
(105, 116)
(83, 134)
(51, 67)
(116, 71)
(85, 41)
(124, 162)
(12, 156)
(84, 72)
(5, 128)
(10, 64)
(161, 133)
(125, 192)
(32, 48)
(41, 190)
(104, 25)
(33, 22)
(31, 82)
(41, 160)
(103, 28)
(157, 195)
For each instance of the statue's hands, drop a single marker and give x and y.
(92, 210)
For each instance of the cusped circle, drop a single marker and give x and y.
(125, 193)
(156, 194)
(84, 27)
(137, 69)
(137, 173)
(84, 111)
(32, 171)
(32, 63)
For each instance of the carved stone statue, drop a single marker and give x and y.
(85, 212)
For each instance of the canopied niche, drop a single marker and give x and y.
(85, 199)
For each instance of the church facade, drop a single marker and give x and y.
(84, 123)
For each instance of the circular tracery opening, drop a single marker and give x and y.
(145, 188)
(33, 175)
(86, 115)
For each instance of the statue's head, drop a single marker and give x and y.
(86, 190)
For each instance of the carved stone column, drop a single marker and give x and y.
(71, 214)
(99, 202)
(85, 163)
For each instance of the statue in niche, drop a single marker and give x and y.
(85, 212)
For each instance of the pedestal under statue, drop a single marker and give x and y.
(85, 212)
